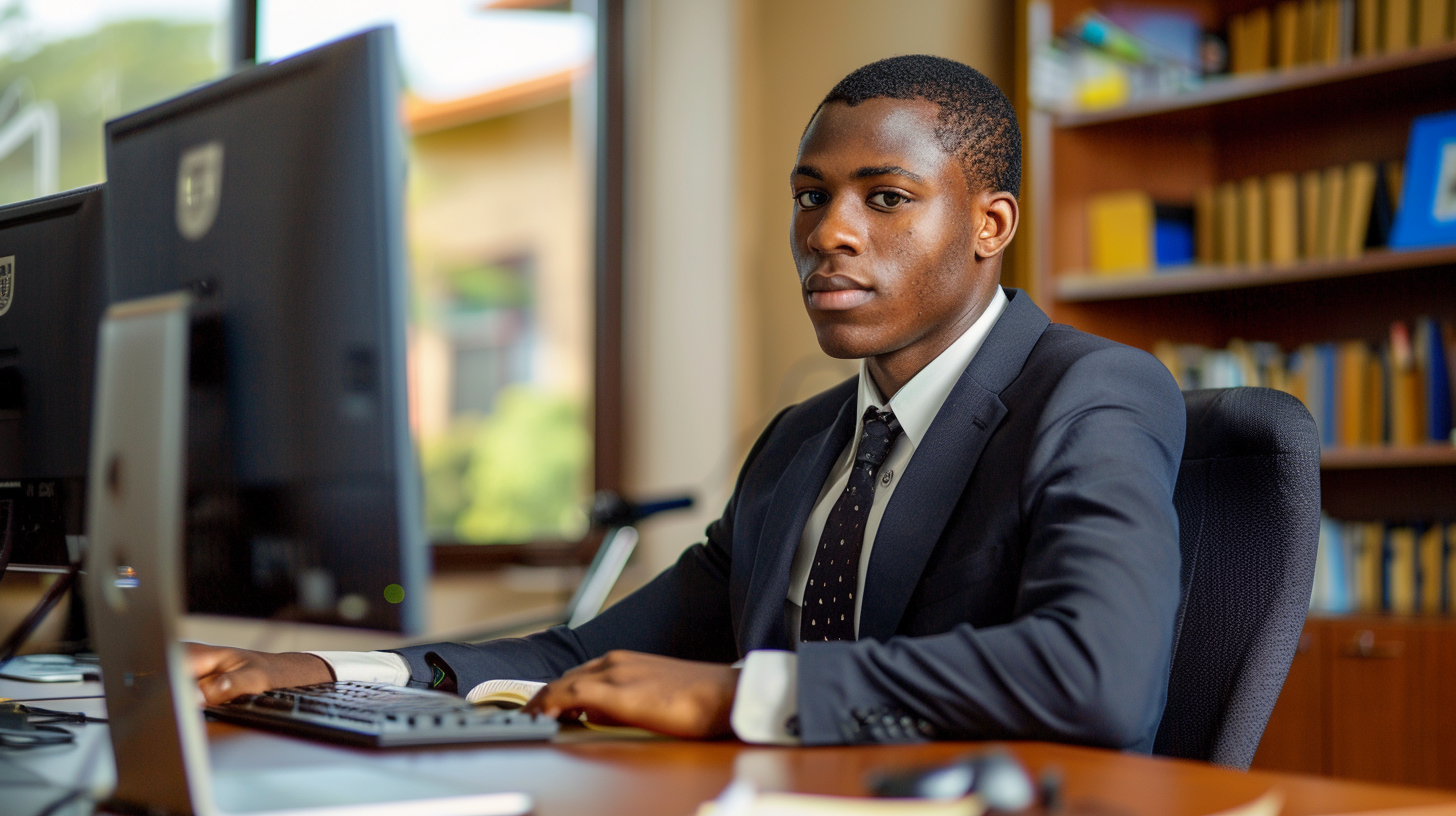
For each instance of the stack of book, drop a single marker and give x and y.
(1394, 392)
(1324, 32)
(1280, 219)
(1385, 567)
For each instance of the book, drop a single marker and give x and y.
(1347, 30)
(1431, 558)
(1204, 216)
(1330, 592)
(1331, 208)
(1253, 242)
(1382, 207)
(1369, 561)
(1120, 232)
(1367, 27)
(1286, 34)
(1395, 26)
(1400, 570)
(1433, 22)
(1226, 222)
(1331, 27)
(1353, 366)
(1360, 180)
(1375, 411)
(1238, 44)
(1173, 234)
(1324, 379)
(504, 693)
(1258, 33)
(1430, 353)
(1448, 589)
(1308, 25)
(1283, 205)
(1407, 391)
(1310, 183)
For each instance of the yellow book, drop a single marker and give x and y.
(1328, 50)
(1258, 33)
(1286, 34)
(1331, 208)
(1394, 175)
(1395, 26)
(1401, 570)
(1433, 22)
(1432, 557)
(1283, 201)
(1253, 241)
(1226, 222)
(1204, 225)
(1238, 45)
(1309, 197)
(1369, 560)
(1120, 231)
(1167, 354)
(1359, 195)
(1308, 35)
(1374, 431)
(1352, 364)
(1367, 27)
(1407, 390)
(1450, 572)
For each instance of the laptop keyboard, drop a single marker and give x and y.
(380, 715)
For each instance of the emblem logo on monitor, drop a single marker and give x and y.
(199, 189)
(7, 282)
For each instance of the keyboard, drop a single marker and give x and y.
(380, 716)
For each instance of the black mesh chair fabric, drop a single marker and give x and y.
(1248, 514)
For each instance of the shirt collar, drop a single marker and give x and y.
(918, 401)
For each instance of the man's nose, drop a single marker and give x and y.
(840, 230)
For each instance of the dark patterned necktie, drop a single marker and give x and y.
(828, 611)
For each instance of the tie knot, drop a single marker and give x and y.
(881, 428)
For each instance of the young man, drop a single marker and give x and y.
(974, 539)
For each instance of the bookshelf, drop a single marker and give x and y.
(1290, 120)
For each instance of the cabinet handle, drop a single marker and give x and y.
(1363, 646)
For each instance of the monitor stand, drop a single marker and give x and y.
(134, 597)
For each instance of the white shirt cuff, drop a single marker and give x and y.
(367, 667)
(767, 698)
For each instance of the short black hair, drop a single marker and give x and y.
(977, 123)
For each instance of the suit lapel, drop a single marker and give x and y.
(788, 512)
(937, 474)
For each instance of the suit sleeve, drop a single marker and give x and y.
(1086, 657)
(683, 612)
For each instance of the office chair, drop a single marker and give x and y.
(1248, 499)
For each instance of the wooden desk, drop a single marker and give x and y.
(640, 777)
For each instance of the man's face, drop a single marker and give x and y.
(884, 231)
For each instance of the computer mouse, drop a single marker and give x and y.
(995, 776)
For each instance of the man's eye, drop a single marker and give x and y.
(809, 199)
(887, 200)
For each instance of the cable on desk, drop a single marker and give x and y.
(23, 726)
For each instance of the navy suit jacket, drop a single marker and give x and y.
(1024, 578)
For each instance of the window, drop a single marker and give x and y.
(499, 109)
(66, 66)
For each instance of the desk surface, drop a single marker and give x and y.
(609, 776)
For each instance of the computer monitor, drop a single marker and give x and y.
(275, 197)
(51, 297)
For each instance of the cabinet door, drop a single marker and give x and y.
(1374, 701)
(1437, 707)
(1295, 738)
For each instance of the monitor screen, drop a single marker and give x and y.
(274, 196)
(51, 298)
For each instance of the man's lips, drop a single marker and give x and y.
(835, 292)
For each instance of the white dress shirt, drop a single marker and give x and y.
(767, 694)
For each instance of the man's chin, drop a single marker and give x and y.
(848, 343)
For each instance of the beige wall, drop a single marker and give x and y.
(791, 53)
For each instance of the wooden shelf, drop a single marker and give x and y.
(1373, 458)
(1082, 287)
(1235, 89)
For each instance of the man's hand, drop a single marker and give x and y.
(223, 673)
(683, 698)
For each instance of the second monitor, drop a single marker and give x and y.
(275, 196)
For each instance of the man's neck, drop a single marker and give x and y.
(890, 371)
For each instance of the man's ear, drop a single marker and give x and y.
(999, 213)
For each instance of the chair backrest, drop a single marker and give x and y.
(1248, 502)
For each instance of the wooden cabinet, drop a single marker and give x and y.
(1369, 698)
